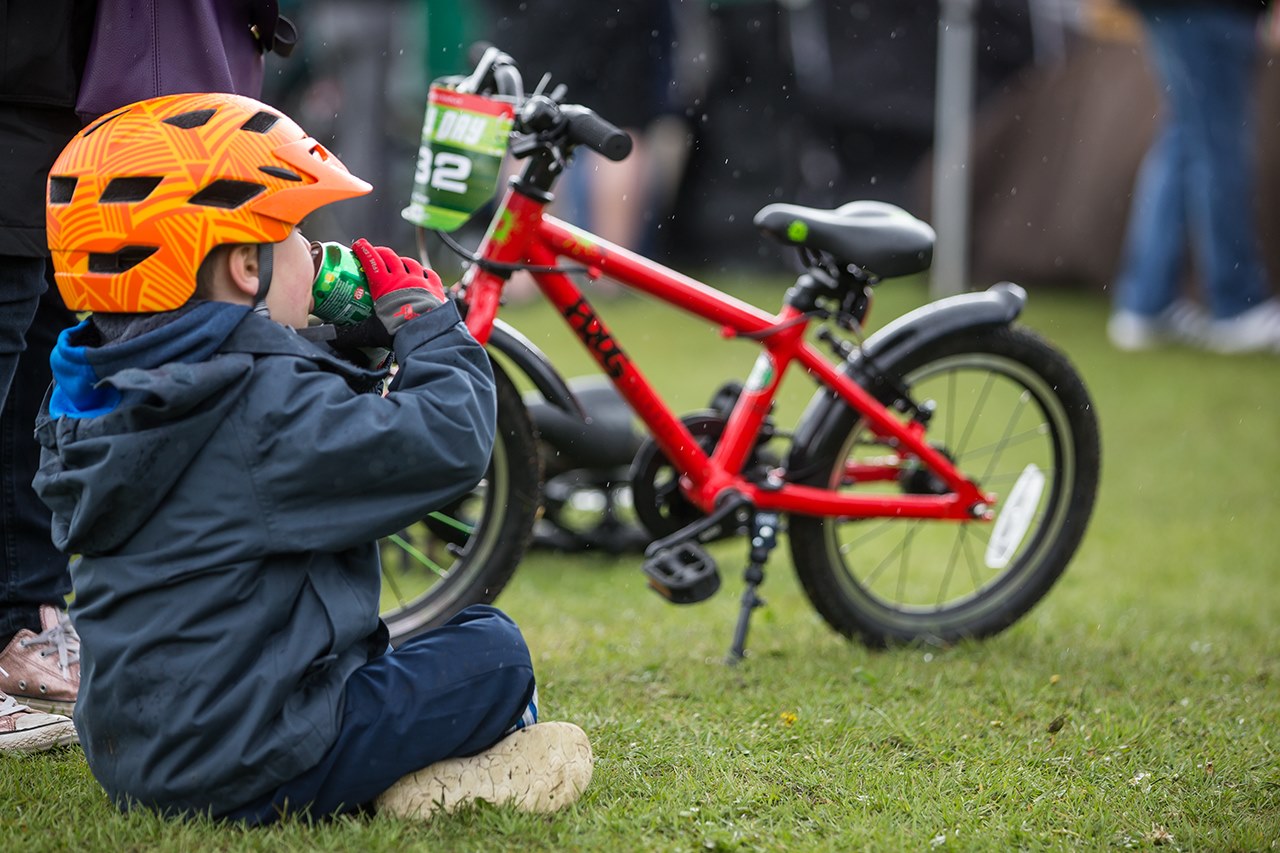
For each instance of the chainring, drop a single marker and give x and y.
(655, 486)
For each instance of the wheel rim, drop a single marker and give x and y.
(426, 566)
(994, 417)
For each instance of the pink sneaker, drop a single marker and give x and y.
(43, 670)
(25, 730)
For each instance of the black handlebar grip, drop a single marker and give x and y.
(587, 128)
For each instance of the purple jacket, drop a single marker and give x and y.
(146, 48)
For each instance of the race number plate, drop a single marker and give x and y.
(464, 139)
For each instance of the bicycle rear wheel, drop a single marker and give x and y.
(465, 553)
(1012, 414)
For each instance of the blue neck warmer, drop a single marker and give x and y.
(79, 369)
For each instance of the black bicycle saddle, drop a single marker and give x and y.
(882, 239)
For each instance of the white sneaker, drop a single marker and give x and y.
(1255, 330)
(1183, 322)
(540, 768)
(25, 730)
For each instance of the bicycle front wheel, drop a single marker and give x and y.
(465, 553)
(1013, 415)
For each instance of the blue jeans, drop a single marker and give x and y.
(32, 571)
(452, 691)
(1196, 183)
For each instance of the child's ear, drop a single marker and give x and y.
(242, 266)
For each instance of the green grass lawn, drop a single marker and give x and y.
(1138, 706)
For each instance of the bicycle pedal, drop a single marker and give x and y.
(683, 574)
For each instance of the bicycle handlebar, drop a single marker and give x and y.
(598, 134)
(497, 72)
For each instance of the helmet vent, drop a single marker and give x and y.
(260, 122)
(278, 172)
(117, 262)
(111, 117)
(128, 189)
(61, 189)
(227, 194)
(195, 118)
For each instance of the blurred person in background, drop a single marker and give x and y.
(40, 75)
(67, 63)
(1194, 197)
(358, 83)
(614, 58)
(866, 79)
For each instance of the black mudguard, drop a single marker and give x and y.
(533, 363)
(585, 421)
(1000, 305)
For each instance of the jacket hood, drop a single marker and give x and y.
(124, 420)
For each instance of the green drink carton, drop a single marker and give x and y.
(341, 291)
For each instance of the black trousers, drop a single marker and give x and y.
(32, 571)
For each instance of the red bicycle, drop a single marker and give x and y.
(936, 486)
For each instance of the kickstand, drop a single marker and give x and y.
(764, 537)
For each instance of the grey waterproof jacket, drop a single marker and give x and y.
(226, 510)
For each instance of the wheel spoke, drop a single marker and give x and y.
(973, 417)
(946, 576)
(1013, 441)
(455, 523)
(1008, 430)
(882, 527)
(390, 580)
(975, 574)
(422, 558)
(906, 561)
(871, 578)
(951, 407)
(997, 479)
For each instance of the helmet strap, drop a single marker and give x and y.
(264, 279)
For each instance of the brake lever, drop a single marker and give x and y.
(524, 144)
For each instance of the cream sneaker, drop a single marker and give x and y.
(1255, 330)
(43, 670)
(540, 768)
(1183, 322)
(25, 730)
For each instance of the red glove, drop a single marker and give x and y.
(387, 271)
(402, 290)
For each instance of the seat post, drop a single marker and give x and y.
(809, 287)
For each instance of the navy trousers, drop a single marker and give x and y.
(32, 571)
(453, 691)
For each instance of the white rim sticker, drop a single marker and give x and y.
(1015, 517)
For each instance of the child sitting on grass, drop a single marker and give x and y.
(225, 481)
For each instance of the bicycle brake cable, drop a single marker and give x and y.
(499, 267)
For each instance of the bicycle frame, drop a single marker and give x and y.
(521, 233)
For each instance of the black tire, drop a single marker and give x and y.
(465, 553)
(1048, 422)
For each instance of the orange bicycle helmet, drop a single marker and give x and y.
(139, 198)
